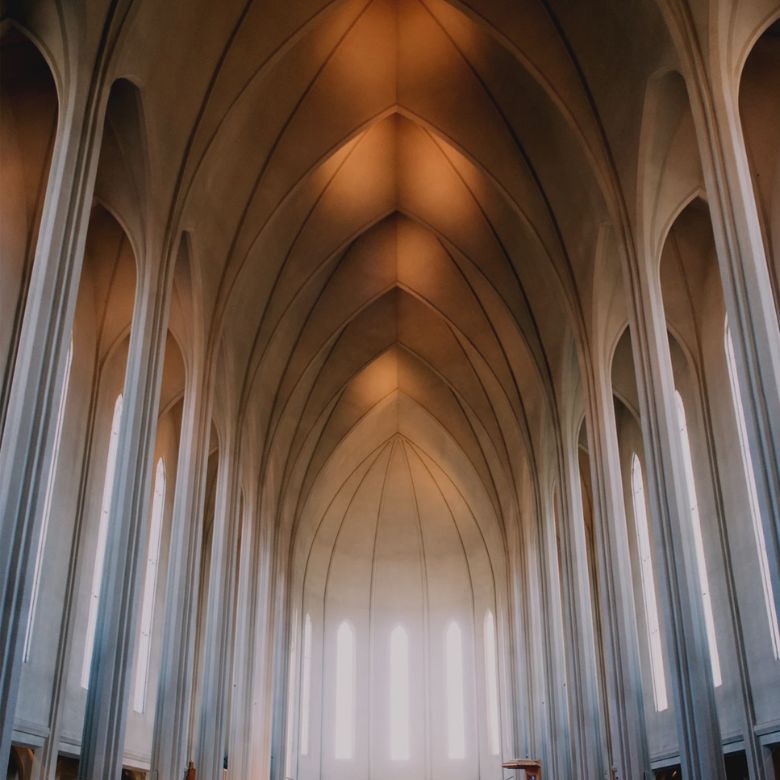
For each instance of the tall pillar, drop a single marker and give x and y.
(555, 651)
(45, 768)
(747, 287)
(753, 749)
(578, 606)
(119, 607)
(255, 631)
(213, 715)
(26, 449)
(521, 737)
(625, 707)
(282, 633)
(747, 290)
(259, 712)
(232, 647)
(174, 699)
(239, 734)
(686, 643)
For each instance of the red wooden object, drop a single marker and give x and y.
(532, 767)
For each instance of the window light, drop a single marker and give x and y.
(456, 719)
(150, 586)
(100, 552)
(648, 585)
(399, 694)
(344, 731)
(698, 543)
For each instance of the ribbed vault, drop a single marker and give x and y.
(390, 194)
(399, 278)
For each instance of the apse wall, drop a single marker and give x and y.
(394, 558)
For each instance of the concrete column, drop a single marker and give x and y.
(234, 647)
(547, 731)
(518, 640)
(578, 608)
(238, 732)
(174, 699)
(555, 650)
(686, 642)
(747, 290)
(259, 713)
(625, 708)
(212, 718)
(282, 630)
(116, 632)
(47, 766)
(753, 749)
(26, 449)
(516, 734)
(268, 569)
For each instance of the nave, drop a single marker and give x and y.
(389, 389)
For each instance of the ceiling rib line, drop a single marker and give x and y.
(361, 420)
(429, 305)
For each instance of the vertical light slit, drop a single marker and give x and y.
(698, 543)
(456, 717)
(150, 588)
(657, 671)
(344, 731)
(399, 694)
(100, 551)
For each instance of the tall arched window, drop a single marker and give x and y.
(456, 716)
(150, 587)
(306, 686)
(399, 694)
(50, 479)
(100, 552)
(750, 481)
(491, 683)
(698, 542)
(648, 585)
(344, 728)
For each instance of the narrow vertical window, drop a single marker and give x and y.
(750, 482)
(491, 683)
(306, 685)
(399, 694)
(100, 552)
(344, 732)
(698, 542)
(150, 587)
(456, 716)
(648, 585)
(50, 479)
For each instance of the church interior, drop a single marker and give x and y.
(390, 389)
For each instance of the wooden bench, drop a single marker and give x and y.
(532, 767)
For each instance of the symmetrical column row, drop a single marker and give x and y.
(25, 456)
(753, 323)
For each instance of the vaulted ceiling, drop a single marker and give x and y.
(394, 202)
